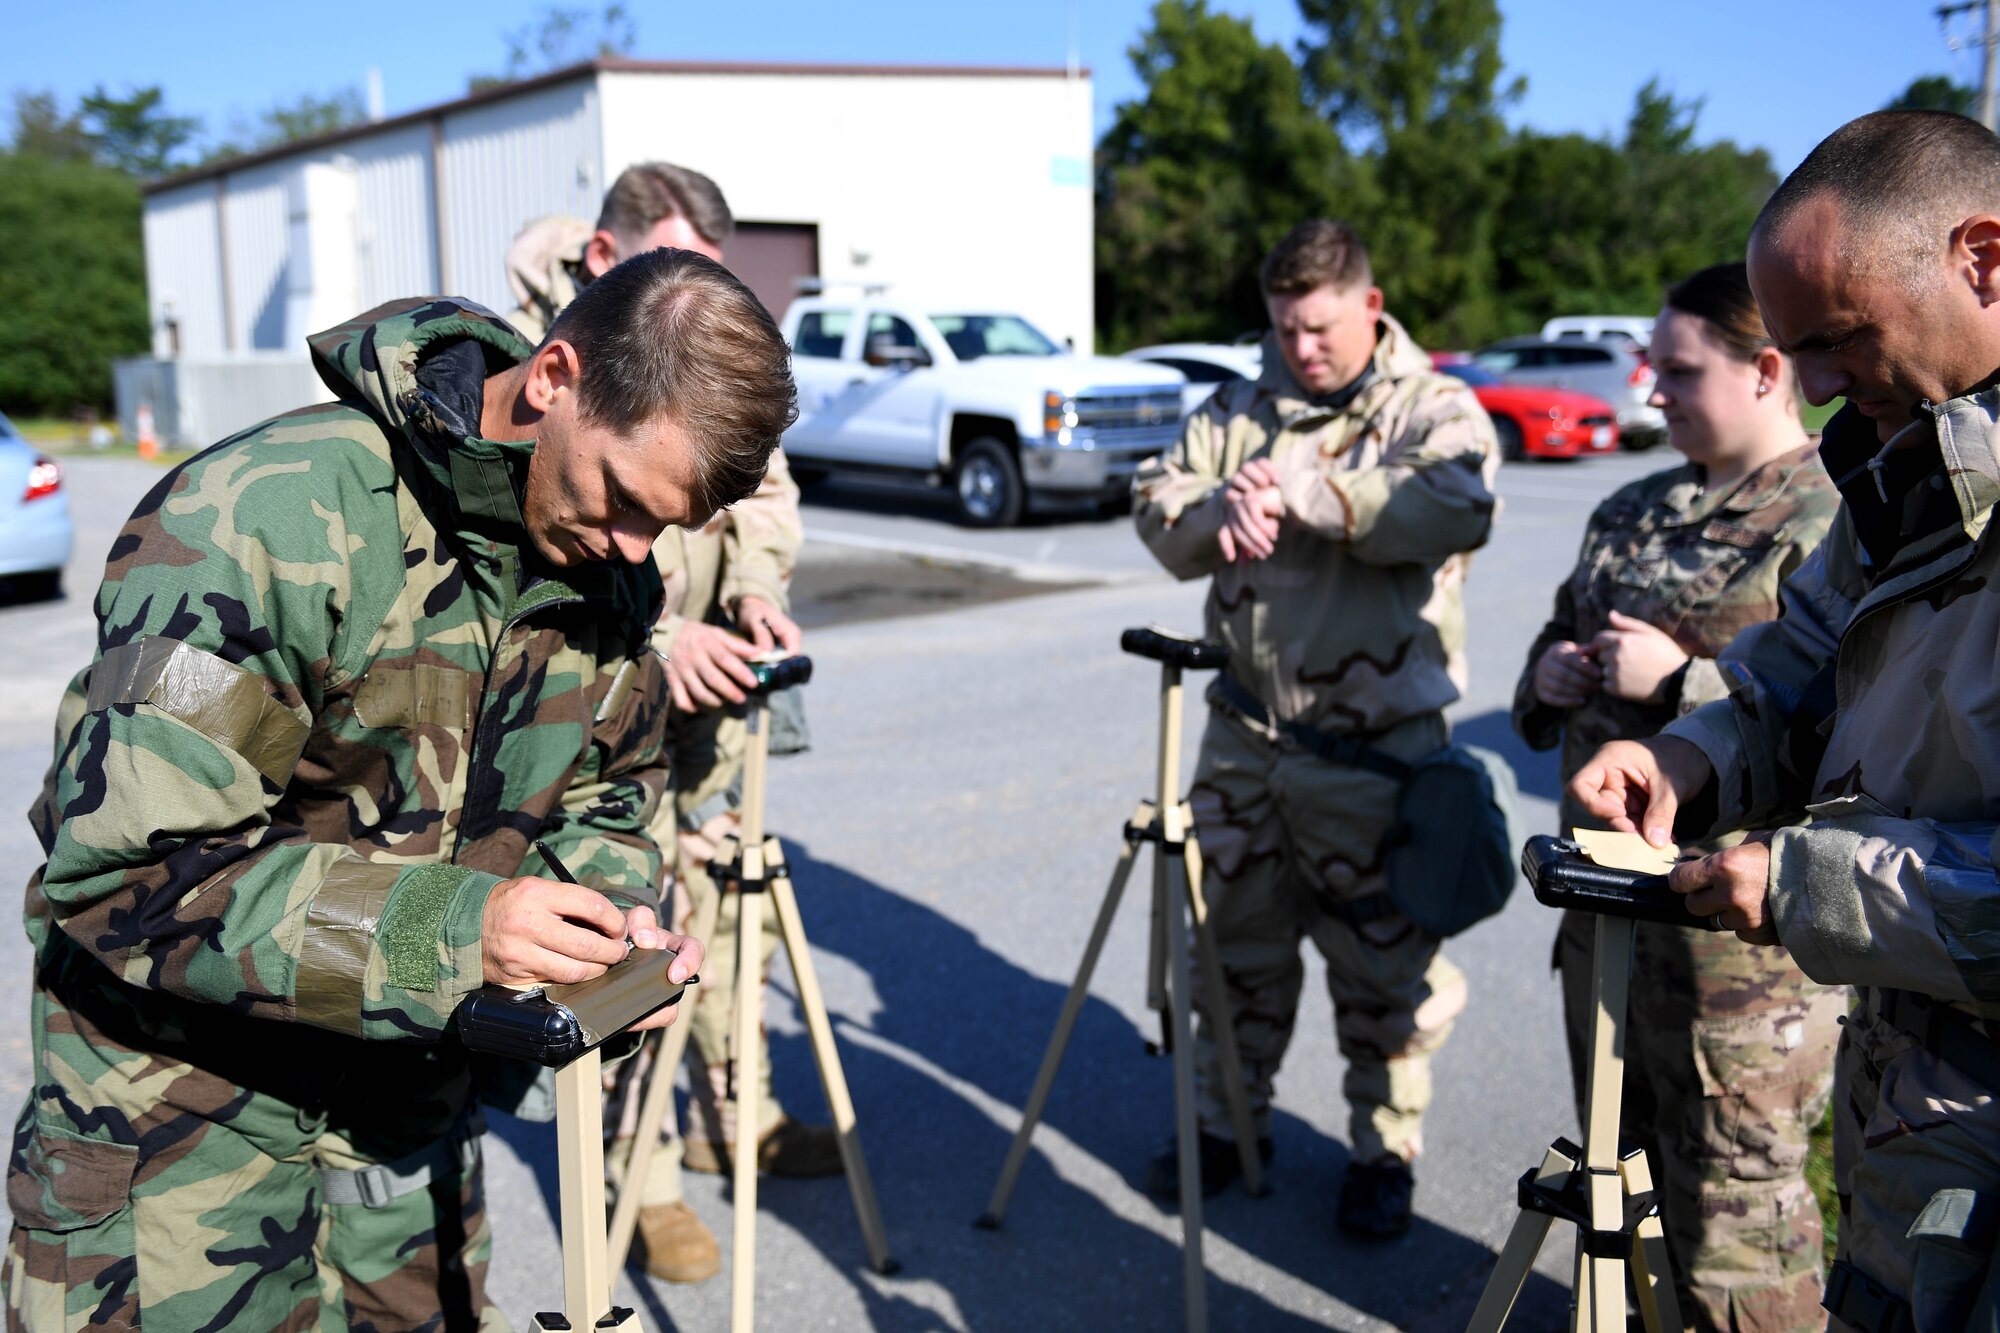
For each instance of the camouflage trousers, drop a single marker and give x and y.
(1282, 834)
(706, 772)
(1909, 1128)
(212, 1232)
(1728, 1066)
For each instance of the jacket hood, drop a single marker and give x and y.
(542, 263)
(1397, 356)
(372, 360)
(1967, 430)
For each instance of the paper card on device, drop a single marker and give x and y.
(1625, 851)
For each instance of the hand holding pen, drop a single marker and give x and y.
(535, 930)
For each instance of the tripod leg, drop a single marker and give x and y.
(1156, 951)
(1517, 1256)
(580, 1161)
(667, 1055)
(1652, 1272)
(1045, 1078)
(1221, 1015)
(1185, 1127)
(1611, 979)
(749, 1095)
(832, 1079)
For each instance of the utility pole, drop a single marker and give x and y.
(1988, 41)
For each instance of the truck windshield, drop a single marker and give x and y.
(973, 336)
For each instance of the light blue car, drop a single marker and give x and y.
(35, 529)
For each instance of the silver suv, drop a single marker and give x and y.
(1609, 370)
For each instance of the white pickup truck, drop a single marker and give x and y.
(977, 398)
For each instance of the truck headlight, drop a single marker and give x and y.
(1058, 417)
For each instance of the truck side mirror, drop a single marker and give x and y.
(884, 352)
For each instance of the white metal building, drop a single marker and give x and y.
(962, 185)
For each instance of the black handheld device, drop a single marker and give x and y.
(1164, 645)
(553, 1025)
(1563, 875)
(781, 674)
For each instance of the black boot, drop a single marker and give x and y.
(1219, 1160)
(1375, 1199)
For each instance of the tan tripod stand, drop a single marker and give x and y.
(757, 865)
(588, 1273)
(1605, 1191)
(1177, 898)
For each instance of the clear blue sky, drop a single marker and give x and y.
(1780, 73)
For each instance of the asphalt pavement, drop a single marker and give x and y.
(978, 741)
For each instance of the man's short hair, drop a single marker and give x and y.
(673, 334)
(1320, 253)
(647, 193)
(1903, 179)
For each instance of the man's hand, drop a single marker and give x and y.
(708, 667)
(542, 931)
(1638, 786)
(1636, 659)
(767, 626)
(1255, 506)
(1733, 888)
(643, 928)
(1566, 675)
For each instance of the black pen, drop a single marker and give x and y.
(561, 872)
(555, 864)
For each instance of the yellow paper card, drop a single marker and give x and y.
(1625, 851)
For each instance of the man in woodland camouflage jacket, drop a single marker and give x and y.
(350, 664)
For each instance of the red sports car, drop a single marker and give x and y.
(1534, 421)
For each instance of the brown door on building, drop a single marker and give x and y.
(771, 258)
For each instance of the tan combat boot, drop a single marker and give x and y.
(679, 1247)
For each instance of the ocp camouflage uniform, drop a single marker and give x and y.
(1871, 702)
(1729, 1051)
(748, 550)
(1354, 626)
(335, 695)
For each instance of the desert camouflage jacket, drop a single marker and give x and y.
(1698, 566)
(1355, 622)
(1890, 628)
(335, 697)
(747, 550)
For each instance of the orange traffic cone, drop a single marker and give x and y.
(149, 442)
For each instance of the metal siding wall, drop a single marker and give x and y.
(506, 164)
(259, 244)
(398, 249)
(182, 266)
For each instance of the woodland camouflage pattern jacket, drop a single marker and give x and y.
(336, 695)
(1890, 628)
(1355, 623)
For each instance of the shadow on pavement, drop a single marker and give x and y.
(1539, 772)
(975, 1017)
(890, 495)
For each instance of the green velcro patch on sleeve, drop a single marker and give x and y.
(409, 930)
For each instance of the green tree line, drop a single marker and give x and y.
(1391, 115)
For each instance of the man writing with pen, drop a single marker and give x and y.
(350, 665)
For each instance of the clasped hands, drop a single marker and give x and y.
(1253, 509)
(1630, 660)
(1638, 787)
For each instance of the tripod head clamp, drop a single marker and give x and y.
(780, 673)
(1165, 646)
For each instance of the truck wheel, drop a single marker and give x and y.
(987, 481)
